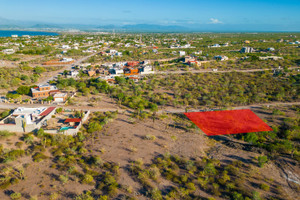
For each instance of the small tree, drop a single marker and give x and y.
(262, 160)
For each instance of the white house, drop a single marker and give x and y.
(66, 60)
(147, 69)
(74, 73)
(27, 119)
(8, 51)
(271, 49)
(60, 97)
(181, 53)
(216, 45)
(119, 54)
(65, 47)
(222, 58)
(112, 51)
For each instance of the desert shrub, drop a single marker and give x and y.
(39, 148)
(191, 186)
(54, 196)
(5, 134)
(28, 138)
(155, 194)
(95, 160)
(150, 137)
(210, 169)
(86, 196)
(5, 114)
(251, 138)
(13, 155)
(19, 144)
(38, 157)
(63, 179)
(237, 196)
(265, 187)
(93, 127)
(40, 133)
(232, 169)
(277, 112)
(59, 110)
(154, 173)
(87, 179)
(262, 160)
(15, 195)
(256, 196)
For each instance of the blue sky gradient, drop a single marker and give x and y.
(191, 13)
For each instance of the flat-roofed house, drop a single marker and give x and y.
(60, 97)
(43, 91)
(27, 119)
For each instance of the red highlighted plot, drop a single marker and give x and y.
(228, 122)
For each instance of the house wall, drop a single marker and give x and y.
(18, 127)
(40, 94)
(71, 131)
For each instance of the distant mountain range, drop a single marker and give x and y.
(36, 25)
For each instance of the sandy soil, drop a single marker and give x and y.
(123, 140)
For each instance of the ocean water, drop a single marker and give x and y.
(20, 33)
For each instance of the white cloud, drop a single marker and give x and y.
(215, 21)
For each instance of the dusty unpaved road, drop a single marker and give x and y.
(164, 110)
(180, 110)
(219, 71)
(66, 67)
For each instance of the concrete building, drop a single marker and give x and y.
(43, 91)
(73, 73)
(116, 71)
(222, 58)
(215, 45)
(189, 58)
(271, 58)
(271, 49)
(181, 53)
(65, 47)
(27, 119)
(66, 60)
(247, 50)
(8, 51)
(147, 69)
(60, 97)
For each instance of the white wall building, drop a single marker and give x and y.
(181, 53)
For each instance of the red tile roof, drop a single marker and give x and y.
(47, 111)
(72, 120)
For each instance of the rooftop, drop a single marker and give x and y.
(33, 111)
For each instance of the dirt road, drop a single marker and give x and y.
(220, 71)
(67, 67)
(165, 110)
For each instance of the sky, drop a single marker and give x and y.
(190, 13)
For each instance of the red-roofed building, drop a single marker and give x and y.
(47, 111)
(74, 122)
(133, 63)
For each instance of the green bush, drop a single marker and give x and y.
(262, 160)
(15, 195)
(38, 157)
(87, 179)
(63, 179)
(5, 134)
(13, 155)
(265, 187)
